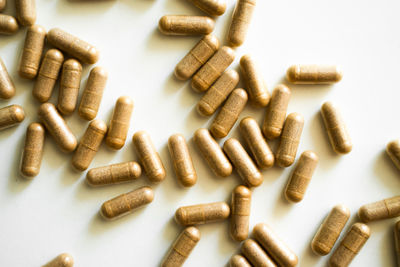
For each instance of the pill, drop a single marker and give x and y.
(314, 74)
(62, 260)
(330, 230)
(32, 52)
(336, 129)
(256, 255)
(218, 93)
(114, 174)
(240, 206)
(241, 19)
(8, 24)
(182, 247)
(239, 261)
(211, 7)
(260, 149)
(229, 113)
(276, 112)
(26, 12)
(128, 202)
(77, 48)
(11, 116)
(301, 176)
(185, 25)
(397, 241)
(384, 209)
(93, 93)
(202, 213)
(244, 165)
(119, 124)
(89, 145)
(350, 245)
(213, 68)
(149, 157)
(33, 150)
(182, 160)
(196, 57)
(48, 74)
(2, 4)
(393, 150)
(57, 127)
(290, 140)
(69, 86)
(274, 246)
(7, 87)
(212, 153)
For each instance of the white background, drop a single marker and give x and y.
(57, 212)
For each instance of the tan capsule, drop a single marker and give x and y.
(274, 246)
(114, 174)
(2, 4)
(330, 230)
(314, 74)
(276, 112)
(57, 127)
(213, 68)
(77, 48)
(182, 247)
(393, 151)
(350, 245)
(211, 7)
(260, 149)
(241, 19)
(125, 203)
(62, 260)
(93, 93)
(212, 153)
(380, 210)
(31, 158)
(11, 116)
(26, 12)
(239, 261)
(32, 52)
(69, 86)
(240, 207)
(149, 157)
(397, 241)
(202, 213)
(7, 87)
(185, 25)
(218, 93)
(244, 165)
(256, 255)
(8, 24)
(229, 113)
(89, 145)
(290, 140)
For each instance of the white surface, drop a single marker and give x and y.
(57, 212)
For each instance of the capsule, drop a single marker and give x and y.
(7, 87)
(218, 93)
(202, 213)
(69, 86)
(114, 174)
(149, 157)
(241, 19)
(32, 153)
(93, 93)
(393, 151)
(211, 7)
(185, 25)
(350, 245)
(11, 116)
(213, 68)
(260, 149)
(384, 209)
(330, 230)
(182, 247)
(62, 260)
(239, 261)
(57, 127)
(240, 206)
(274, 246)
(314, 74)
(8, 24)
(229, 113)
(32, 52)
(244, 165)
(256, 255)
(26, 12)
(2, 4)
(276, 112)
(212, 153)
(128, 202)
(397, 241)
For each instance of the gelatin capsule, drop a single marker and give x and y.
(202, 213)
(11, 116)
(393, 150)
(211, 7)
(185, 25)
(69, 86)
(256, 255)
(240, 210)
(62, 260)
(314, 74)
(32, 153)
(239, 261)
(241, 19)
(114, 174)
(7, 87)
(380, 210)
(8, 24)
(26, 12)
(397, 241)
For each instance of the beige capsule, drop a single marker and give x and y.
(211, 7)
(26, 12)
(393, 150)
(202, 213)
(7, 87)
(8, 24)
(239, 261)
(3, 4)
(397, 241)
(240, 213)
(32, 153)
(380, 210)
(62, 260)
(314, 74)
(114, 174)
(256, 255)
(241, 19)
(69, 86)
(185, 25)
(11, 116)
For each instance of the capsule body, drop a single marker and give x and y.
(256, 255)
(393, 150)
(241, 19)
(239, 261)
(202, 213)
(62, 260)
(69, 86)
(314, 74)
(384, 209)
(185, 25)
(11, 116)
(2, 4)
(397, 241)
(211, 7)
(114, 174)
(7, 87)
(32, 153)
(8, 24)
(26, 12)
(240, 209)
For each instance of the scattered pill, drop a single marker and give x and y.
(393, 150)
(7, 87)
(32, 153)
(62, 260)
(11, 116)
(211, 7)
(241, 19)
(202, 213)
(26, 12)
(69, 86)
(114, 174)
(314, 74)
(239, 261)
(397, 241)
(8, 24)
(255, 254)
(185, 25)
(384, 209)
(240, 210)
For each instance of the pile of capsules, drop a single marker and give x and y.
(207, 65)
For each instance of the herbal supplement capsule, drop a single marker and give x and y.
(183, 164)
(350, 245)
(260, 149)
(397, 241)
(256, 255)
(213, 68)
(212, 153)
(202, 213)
(244, 165)
(62, 260)
(128, 202)
(33, 150)
(185, 25)
(69, 86)
(229, 113)
(239, 261)
(57, 127)
(2, 4)
(8, 24)
(218, 92)
(290, 140)
(330, 230)
(384, 209)
(119, 124)
(7, 87)
(149, 157)
(240, 21)
(314, 74)
(93, 93)
(276, 112)
(11, 116)
(393, 150)
(274, 246)
(182, 247)
(114, 174)
(301, 177)
(211, 7)
(89, 145)
(26, 12)
(240, 206)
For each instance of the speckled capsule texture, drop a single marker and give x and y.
(238, 261)
(380, 210)
(62, 260)
(114, 174)
(26, 12)
(8, 24)
(32, 152)
(211, 7)
(397, 241)
(69, 86)
(393, 151)
(241, 19)
(314, 74)
(202, 213)
(185, 25)
(11, 116)
(7, 87)
(240, 213)
(256, 254)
